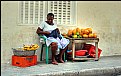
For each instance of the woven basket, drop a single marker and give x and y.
(23, 53)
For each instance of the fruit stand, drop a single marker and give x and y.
(82, 35)
(84, 40)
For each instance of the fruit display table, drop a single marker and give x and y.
(84, 40)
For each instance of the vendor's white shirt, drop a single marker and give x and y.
(46, 27)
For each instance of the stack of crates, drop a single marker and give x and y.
(24, 61)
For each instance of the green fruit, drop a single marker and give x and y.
(79, 36)
(77, 33)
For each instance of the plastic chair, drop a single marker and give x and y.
(46, 49)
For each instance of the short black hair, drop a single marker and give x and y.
(50, 14)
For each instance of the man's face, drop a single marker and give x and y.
(50, 19)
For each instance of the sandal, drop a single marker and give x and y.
(55, 63)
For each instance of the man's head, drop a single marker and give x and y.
(50, 17)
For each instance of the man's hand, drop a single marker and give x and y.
(58, 30)
(46, 33)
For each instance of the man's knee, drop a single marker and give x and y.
(54, 46)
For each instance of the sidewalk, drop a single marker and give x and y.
(106, 66)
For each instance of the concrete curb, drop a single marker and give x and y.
(111, 71)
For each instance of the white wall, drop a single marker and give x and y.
(14, 35)
(103, 17)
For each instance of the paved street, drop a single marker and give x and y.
(106, 66)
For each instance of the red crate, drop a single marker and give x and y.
(24, 61)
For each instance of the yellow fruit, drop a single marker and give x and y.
(74, 36)
(85, 36)
(30, 47)
(35, 46)
(90, 35)
(95, 35)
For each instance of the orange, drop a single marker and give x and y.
(80, 33)
(95, 35)
(86, 31)
(82, 30)
(69, 32)
(78, 29)
(89, 29)
(74, 32)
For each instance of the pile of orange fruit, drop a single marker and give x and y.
(80, 33)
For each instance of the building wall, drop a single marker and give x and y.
(103, 17)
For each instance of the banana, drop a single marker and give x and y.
(30, 47)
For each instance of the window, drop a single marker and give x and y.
(33, 12)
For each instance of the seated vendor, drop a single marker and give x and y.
(54, 38)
